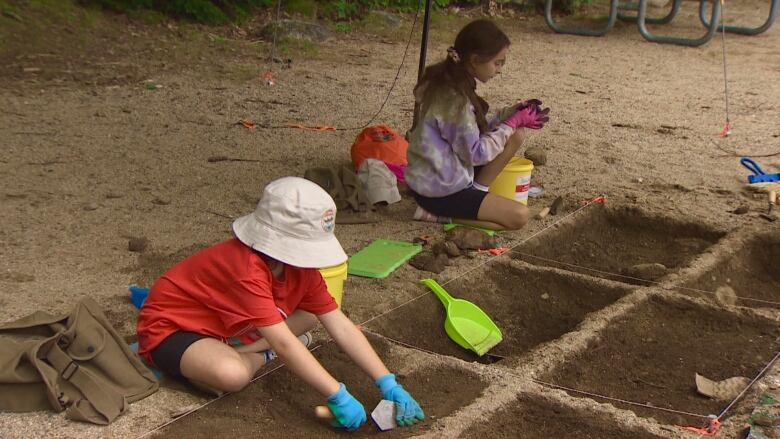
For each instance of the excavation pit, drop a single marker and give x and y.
(530, 306)
(622, 244)
(282, 405)
(532, 417)
(652, 355)
(750, 273)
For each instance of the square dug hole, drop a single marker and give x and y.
(282, 405)
(750, 273)
(529, 305)
(652, 355)
(621, 244)
(531, 417)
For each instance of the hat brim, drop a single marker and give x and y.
(304, 253)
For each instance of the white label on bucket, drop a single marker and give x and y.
(521, 188)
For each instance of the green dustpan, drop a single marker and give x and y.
(466, 324)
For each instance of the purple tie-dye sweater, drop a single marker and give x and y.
(446, 144)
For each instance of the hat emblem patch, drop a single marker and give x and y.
(328, 220)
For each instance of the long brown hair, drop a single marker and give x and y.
(482, 38)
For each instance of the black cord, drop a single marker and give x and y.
(389, 92)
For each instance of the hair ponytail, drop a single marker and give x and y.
(481, 39)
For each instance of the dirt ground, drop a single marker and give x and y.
(108, 124)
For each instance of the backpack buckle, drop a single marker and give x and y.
(69, 370)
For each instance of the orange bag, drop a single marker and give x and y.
(379, 142)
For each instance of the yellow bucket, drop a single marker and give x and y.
(334, 279)
(514, 180)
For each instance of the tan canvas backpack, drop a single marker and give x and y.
(75, 362)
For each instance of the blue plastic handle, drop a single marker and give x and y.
(138, 295)
(752, 166)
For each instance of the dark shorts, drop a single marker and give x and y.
(463, 204)
(167, 355)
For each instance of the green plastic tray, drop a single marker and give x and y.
(381, 258)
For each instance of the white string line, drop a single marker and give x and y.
(509, 372)
(640, 279)
(618, 399)
(757, 377)
(278, 366)
(487, 261)
(523, 241)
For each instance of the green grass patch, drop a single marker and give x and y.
(147, 16)
(307, 8)
(293, 48)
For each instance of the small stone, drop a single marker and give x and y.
(452, 249)
(113, 195)
(430, 262)
(726, 296)
(545, 296)
(651, 271)
(91, 206)
(542, 213)
(161, 201)
(556, 206)
(467, 238)
(536, 155)
(741, 210)
(773, 382)
(137, 245)
(438, 248)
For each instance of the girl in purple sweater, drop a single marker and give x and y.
(455, 153)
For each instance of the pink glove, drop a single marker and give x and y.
(528, 115)
(524, 117)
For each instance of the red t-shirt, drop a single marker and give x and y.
(226, 291)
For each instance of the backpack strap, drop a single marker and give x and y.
(102, 403)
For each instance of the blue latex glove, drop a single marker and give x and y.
(407, 411)
(347, 410)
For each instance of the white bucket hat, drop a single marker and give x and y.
(293, 223)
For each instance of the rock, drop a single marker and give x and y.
(650, 271)
(452, 250)
(137, 245)
(545, 296)
(467, 238)
(91, 206)
(542, 213)
(726, 296)
(556, 206)
(446, 247)
(294, 29)
(160, 201)
(741, 210)
(536, 155)
(438, 248)
(429, 262)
